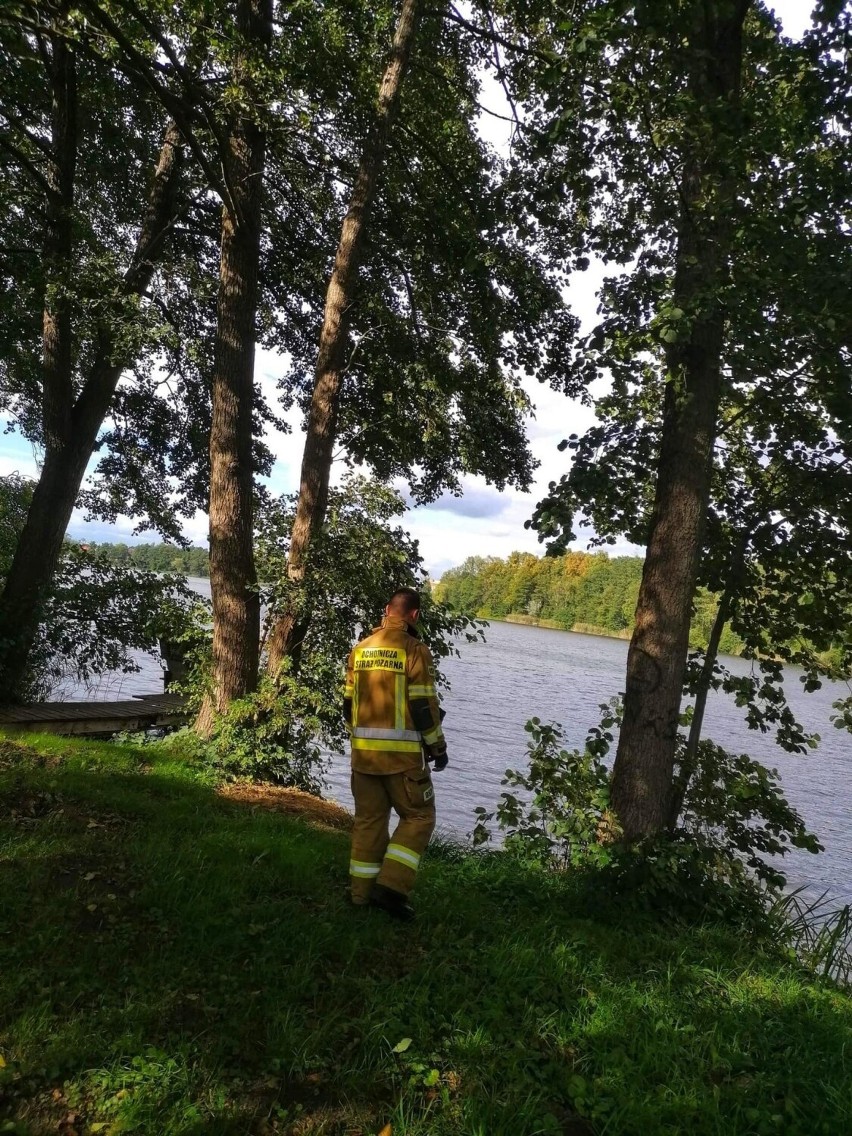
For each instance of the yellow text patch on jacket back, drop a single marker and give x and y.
(380, 659)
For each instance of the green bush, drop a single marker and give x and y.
(718, 861)
(737, 808)
(271, 736)
(557, 821)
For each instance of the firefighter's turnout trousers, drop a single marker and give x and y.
(391, 709)
(377, 858)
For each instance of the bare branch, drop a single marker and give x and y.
(490, 34)
(501, 75)
(494, 114)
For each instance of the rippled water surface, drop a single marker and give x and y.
(521, 672)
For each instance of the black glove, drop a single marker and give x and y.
(438, 756)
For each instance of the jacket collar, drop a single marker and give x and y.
(397, 623)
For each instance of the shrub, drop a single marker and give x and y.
(557, 820)
(718, 861)
(271, 735)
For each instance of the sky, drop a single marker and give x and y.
(482, 522)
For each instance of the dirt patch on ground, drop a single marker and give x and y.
(293, 802)
(14, 756)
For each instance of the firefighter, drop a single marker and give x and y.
(391, 710)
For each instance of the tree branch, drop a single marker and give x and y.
(27, 164)
(491, 35)
(19, 124)
(189, 80)
(175, 106)
(754, 400)
(501, 75)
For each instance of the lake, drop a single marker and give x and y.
(521, 672)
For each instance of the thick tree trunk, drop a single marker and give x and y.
(71, 427)
(233, 582)
(642, 777)
(289, 630)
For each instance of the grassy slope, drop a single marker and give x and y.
(171, 962)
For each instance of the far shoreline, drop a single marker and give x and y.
(552, 625)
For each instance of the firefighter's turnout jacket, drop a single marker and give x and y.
(391, 709)
(390, 703)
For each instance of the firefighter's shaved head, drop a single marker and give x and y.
(404, 603)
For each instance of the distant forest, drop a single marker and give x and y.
(579, 591)
(191, 561)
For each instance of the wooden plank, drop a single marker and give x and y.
(70, 711)
(96, 726)
(96, 717)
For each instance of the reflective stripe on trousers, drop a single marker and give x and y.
(364, 870)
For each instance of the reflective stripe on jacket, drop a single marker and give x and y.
(390, 703)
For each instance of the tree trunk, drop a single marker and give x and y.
(57, 341)
(70, 427)
(689, 763)
(24, 587)
(642, 777)
(730, 597)
(233, 581)
(289, 630)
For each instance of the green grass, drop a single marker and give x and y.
(174, 963)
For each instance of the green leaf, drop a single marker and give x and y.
(401, 1046)
(576, 1087)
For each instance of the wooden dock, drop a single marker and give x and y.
(144, 712)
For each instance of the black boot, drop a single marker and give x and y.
(393, 902)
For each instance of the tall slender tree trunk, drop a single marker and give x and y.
(71, 425)
(288, 632)
(57, 341)
(689, 762)
(642, 777)
(233, 581)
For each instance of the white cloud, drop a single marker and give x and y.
(17, 455)
(795, 16)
